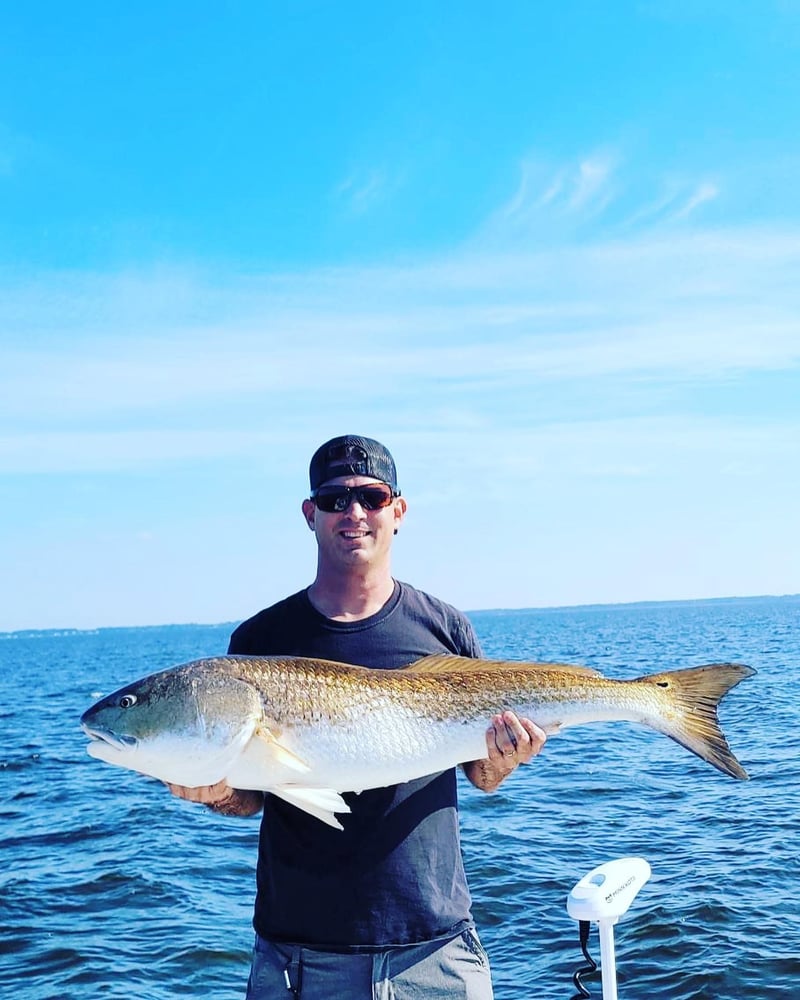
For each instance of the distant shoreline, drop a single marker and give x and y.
(486, 612)
(611, 606)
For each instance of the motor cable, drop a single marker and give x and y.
(584, 970)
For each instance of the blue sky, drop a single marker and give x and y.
(548, 253)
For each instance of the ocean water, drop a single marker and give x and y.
(110, 887)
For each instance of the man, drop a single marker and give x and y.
(381, 908)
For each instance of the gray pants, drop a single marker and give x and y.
(457, 969)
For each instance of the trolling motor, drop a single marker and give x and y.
(601, 897)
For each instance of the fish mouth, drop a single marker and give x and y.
(119, 742)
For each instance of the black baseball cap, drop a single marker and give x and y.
(351, 455)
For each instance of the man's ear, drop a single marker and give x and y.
(400, 508)
(309, 512)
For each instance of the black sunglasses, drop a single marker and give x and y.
(335, 499)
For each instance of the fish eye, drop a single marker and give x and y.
(127, 701)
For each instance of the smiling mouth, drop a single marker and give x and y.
(113, 739)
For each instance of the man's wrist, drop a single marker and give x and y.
(485, 775)
(238, 802)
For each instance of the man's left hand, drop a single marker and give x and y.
(509, 741)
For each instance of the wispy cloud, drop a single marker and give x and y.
(363, 189)
(578, 188)
(597, 192)
(591, 184)
(705, 192)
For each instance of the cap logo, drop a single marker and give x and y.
(350, 455)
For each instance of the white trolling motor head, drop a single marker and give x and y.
(608, 890)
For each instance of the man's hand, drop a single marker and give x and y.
(221, 798)
(509, 741)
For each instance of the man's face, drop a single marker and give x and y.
(355, 536)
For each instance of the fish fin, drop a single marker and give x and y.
(263, 761)
(442, 664)
(694, 695)
(319, 802)
(278, 753)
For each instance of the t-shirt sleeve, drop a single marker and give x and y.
(242, 639)
(235, 642)
(470, 644)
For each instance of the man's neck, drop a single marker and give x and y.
(350, 598)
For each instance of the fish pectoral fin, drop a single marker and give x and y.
(322, 803)
(263, 762)
(274, 752)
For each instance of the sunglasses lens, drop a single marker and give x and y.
(332, 501)
(336, 499)
(373, 497)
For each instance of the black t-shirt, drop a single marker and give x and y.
(394, 875)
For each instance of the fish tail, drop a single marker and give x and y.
(691, 719)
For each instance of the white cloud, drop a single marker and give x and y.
(578, 189)
(590, 187)
(697, 306)
(583, 448)
(700, 196)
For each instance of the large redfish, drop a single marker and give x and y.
(307, 730)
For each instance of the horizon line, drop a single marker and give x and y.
(73, 630)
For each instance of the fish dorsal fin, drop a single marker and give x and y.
(438, 664)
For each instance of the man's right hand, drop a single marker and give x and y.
(221, 798)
